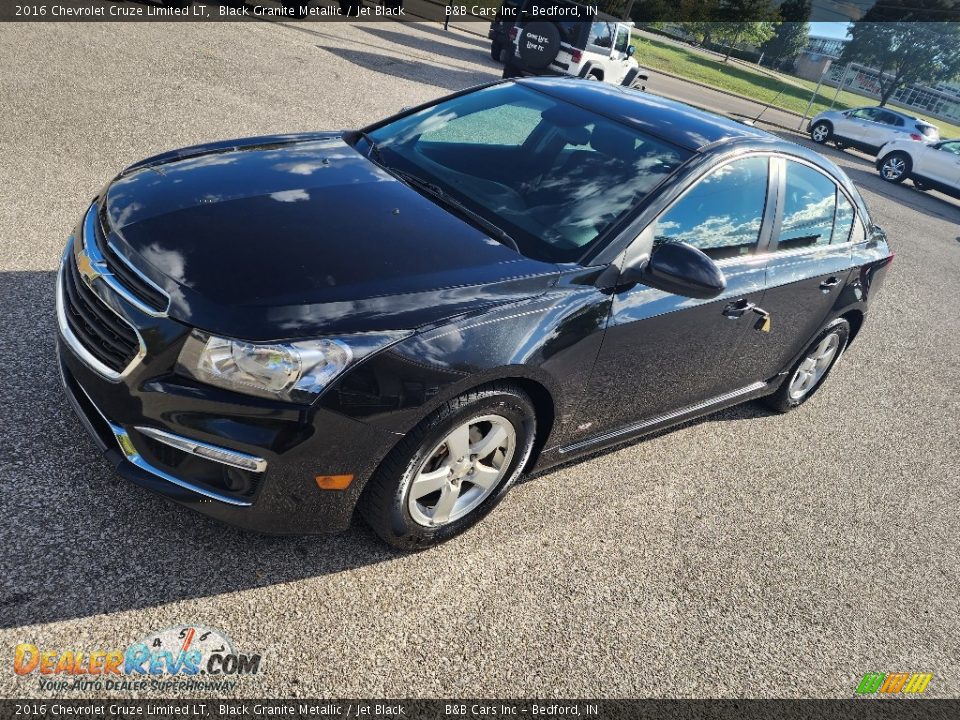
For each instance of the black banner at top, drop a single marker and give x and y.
(483, 11)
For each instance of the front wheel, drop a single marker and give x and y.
(452, 469)
(895, 167)
(809, 372)
(821, 132)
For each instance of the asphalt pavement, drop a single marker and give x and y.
(747, 554)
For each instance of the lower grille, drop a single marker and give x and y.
(100, 330)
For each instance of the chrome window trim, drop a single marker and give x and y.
(100, 268)
(190, 446)
(130, 453)
(73, 342)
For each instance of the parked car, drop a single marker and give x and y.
(592, 49)
(499, 32)
(403, 319)
(869, 128)
(929, 166)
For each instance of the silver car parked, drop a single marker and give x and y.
(869, 128)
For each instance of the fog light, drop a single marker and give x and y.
(334, 482)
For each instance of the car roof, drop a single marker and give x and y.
(675, 122)
(902, 114)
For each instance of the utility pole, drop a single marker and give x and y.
(806, 112)
(843, 81)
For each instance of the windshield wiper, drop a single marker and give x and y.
(373, 151)
(437, 192)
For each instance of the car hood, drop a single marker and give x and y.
(294, 236)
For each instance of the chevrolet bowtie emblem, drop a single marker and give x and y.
(86, 267)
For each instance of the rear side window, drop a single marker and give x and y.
(844, 220)
(721, 215)
(815, 211)
(809, 203)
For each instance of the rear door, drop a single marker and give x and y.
(807, 267)
(890, 126)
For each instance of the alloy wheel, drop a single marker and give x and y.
(462, 470)
(814, 366)
(820, 133)
(893, 168)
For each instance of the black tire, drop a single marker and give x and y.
(895, 167)
(783, 400)
(384, 503)
(538, 44)
(820, 137)
(496, 47)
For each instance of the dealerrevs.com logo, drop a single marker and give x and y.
(184, 657)
(894, 683)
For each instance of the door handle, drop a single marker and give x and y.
(738, 308)
(829, 283)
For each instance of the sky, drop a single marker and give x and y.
(829, 29)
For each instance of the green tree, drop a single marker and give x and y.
(905, 43)
(791, 34)
(749, 21)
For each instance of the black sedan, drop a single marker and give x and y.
(402, 320)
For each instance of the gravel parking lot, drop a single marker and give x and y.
(748, 554)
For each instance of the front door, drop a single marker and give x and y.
(662, 352)
(940, 163)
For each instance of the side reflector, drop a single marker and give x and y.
(334, 482)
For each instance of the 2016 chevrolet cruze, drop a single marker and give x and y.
(402, 320)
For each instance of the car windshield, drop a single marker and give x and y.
(550, 175)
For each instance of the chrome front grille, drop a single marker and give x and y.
(135, 282)
(99, 330)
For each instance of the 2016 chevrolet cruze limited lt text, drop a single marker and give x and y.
(399, 321)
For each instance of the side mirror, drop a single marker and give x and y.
(680, 269)
(631, 49)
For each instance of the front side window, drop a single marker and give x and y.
(601, 35)
(951, 147)
(865, 114)
(810, 199)
(721, 215)
(551, 175)
(623, 38)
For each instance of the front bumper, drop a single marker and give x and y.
(243, 460)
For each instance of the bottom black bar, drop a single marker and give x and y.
(855, 709)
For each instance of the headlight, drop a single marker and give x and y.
(296, 371)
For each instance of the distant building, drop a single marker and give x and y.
(941, 101)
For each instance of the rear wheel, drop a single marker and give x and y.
(895, 167)
(496, 48)
(821, 132)
(452, 469)
(809, 372)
